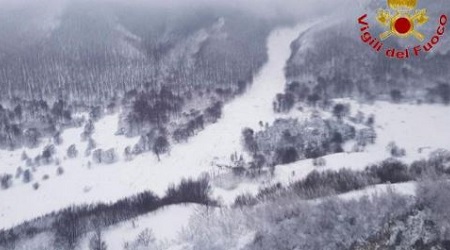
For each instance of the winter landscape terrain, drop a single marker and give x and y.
(218, 125)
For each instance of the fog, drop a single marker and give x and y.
(264, 8)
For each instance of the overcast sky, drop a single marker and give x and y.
(266, 8)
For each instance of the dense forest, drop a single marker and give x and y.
(135, 59)
(351, 70)
(288, 141)
(98, 51)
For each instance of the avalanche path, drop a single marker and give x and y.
(108, 183)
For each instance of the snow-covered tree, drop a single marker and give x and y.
(19, 172)
(248, 141)
(72, 151)
(91, 145)
(47, 154)
(27, 176)
(59, 171)
(96, 242)
(144, 240)
(161, 146)
(109, 156)
(128, 154)
(89, 129)
(6, 181)
(97, 156)
(395, 150)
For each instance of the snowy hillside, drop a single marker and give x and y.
(420, 130)
(103, 183)
(165, 226)
(209, 126)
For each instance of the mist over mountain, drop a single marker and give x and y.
(218, 125)
(78, 55)
(349, 67)
(85, 46)
(77, 47)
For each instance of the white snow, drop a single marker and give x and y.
(411, 126)
(104, 135)
(419, 129)
(166, 223)
(407, 188)
(111, 182)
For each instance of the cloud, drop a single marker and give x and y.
(263, 8)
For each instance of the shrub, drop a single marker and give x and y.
(248, 141)
(283, 102)
(195, 191)
(96, 242)
(128, 154)
(286, 155)
(109, 156)
(391, 170)
(319, 162)
(59, 171)
(19, 172)
(97, 156)
(24, 156)
(318, 184)
(72, 151)
(6, 181)
(396, 95)
(341, 110)
(160, 146)
(145, 240)
(394, 150)
(27, 176)
(214, 112)
(47, 154)
(245, 200)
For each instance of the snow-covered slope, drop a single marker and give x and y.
(165, 225)
(104, 183)
(407, 188)
(419, 129)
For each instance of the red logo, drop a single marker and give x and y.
(402, 21)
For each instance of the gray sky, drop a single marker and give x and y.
(266, 8)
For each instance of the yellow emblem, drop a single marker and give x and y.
(403, 21)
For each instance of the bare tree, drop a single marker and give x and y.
(161, 146)
(96, 242)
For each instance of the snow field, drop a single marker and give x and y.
(107, 183)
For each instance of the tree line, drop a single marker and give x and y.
(70, 224)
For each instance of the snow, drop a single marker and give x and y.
(411, 126)
(105, 183)
(104, 135)
(165, 224)
(419, 129)
(407, 188)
